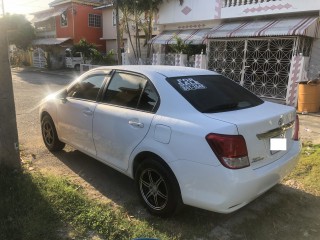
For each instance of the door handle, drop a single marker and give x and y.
(87, 112)
(136, 124)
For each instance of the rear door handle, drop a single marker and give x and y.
(87, 112)
(135, 123)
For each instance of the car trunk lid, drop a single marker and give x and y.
(260, 124)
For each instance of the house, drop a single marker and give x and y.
(136, 47)
(64, 24)
(267, 46)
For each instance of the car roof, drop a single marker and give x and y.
(167, 71)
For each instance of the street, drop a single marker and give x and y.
(105, 184)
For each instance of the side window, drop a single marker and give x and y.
(125, 90)
(87, 88)
(149, 98)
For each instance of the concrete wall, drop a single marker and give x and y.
(196, 12)
(109, 31)
(269, 8)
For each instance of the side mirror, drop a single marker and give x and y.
(63, 95)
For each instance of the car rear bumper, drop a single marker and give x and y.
(223, 190)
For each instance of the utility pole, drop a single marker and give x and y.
(116, 5)
(9, 145)
(2, 4)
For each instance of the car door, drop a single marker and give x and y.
(75, 114)
(123, 117)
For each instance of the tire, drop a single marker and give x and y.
(158, 188)
(49, 135)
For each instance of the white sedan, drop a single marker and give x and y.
(186, 136)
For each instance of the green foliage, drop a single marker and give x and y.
(19, 29)
(88, 50)
(307, 171)
(189, 49)
(106, 60)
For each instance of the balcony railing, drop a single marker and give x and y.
(234, 3)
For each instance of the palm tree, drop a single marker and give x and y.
(140, 13)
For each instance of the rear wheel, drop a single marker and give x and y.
(49, 135)
(158, 188)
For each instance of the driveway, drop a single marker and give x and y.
(285, 212)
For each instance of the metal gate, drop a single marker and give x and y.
(260, 65)
(39, 58)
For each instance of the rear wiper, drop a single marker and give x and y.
(220, 107)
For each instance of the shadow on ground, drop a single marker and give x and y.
(281, 213)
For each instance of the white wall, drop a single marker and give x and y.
(273, 7)
(314, 64)
(109, 31)
(171, 11)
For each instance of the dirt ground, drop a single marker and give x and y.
(286, 212)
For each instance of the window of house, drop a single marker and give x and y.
(94, 20)
(64, 19)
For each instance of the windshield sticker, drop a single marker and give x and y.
(189, 84)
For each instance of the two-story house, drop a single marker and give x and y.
(267, 46)
(65, 24)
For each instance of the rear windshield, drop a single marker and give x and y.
(214, 93)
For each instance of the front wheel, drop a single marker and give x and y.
(49, 135)
(158, 188)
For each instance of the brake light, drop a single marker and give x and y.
(295, 131)
(231, 150)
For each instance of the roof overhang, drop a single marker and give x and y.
(49, 41)
(45, 15)
(290, 26)
(188, 36)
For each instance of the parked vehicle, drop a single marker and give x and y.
(185, 135)
(74, 60)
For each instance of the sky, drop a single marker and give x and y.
(24, 6)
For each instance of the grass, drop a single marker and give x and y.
(307, 171)
(33, 206)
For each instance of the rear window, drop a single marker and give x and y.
(214, 93)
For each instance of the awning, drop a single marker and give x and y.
(190, 36)
(49, 41)
(298, 26)
(47, 14)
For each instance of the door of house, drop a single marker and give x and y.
(260, 65)
(39, 58)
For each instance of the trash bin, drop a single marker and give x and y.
(309, 96)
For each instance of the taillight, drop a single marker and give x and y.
(231, 150)
(295, 135)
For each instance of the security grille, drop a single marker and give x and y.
(260, 65)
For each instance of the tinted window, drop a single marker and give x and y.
(214, 93)
(87, 89)
(149, 98)
(125, 90)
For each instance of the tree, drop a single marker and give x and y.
(90, 52)
(88, 49)
(19, 29)
(138, 16)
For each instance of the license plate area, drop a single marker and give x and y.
(278, 144)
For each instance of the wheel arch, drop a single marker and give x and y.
(43, 114)
(142, 156)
